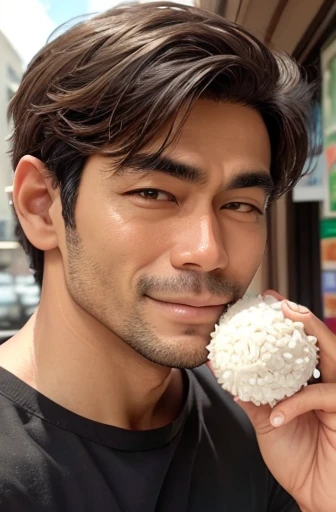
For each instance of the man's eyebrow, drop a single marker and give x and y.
(144, 163)
(252, 179)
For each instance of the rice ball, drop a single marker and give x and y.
(259, 355)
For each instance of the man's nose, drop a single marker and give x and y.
(200, 245)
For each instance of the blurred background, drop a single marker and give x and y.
(300, 261)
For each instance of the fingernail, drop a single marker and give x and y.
(278, 419)
(295, 307)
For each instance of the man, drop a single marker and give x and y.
(148, 143)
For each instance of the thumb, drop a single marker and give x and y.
(259, 416)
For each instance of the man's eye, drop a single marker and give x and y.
(242, 208)
(152, 194)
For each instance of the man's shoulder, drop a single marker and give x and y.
(30, 471)
(19, 455)
(19, 430)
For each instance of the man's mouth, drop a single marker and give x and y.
(190, 309)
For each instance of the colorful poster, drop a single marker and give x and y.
(328, 271)
(328, 61)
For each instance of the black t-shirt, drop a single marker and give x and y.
(52, 459)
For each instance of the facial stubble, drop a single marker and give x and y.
(95, 291)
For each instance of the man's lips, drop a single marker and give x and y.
(195, 311)
(195, 302)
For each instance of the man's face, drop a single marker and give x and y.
(160, 249)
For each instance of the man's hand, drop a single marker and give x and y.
(297, 438)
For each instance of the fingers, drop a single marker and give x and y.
(320, 397)
(274, 294)
(314, 327)
(325, 338)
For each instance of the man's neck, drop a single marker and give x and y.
(91, 372)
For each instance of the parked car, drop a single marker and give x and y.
(10, 306)
(29, 294)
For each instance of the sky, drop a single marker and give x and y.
(28, 23)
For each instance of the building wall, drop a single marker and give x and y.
(11, 69)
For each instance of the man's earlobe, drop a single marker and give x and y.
(33, 197)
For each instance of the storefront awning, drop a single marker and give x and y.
(280, 23)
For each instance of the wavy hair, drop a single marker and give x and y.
(109, 84)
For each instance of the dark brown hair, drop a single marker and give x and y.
(109, 84)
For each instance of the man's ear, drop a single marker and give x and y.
(33, 197)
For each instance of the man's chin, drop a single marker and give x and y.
(190, 333)
(181, 363)
(185, 351)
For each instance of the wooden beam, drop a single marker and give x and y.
(275, 20)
